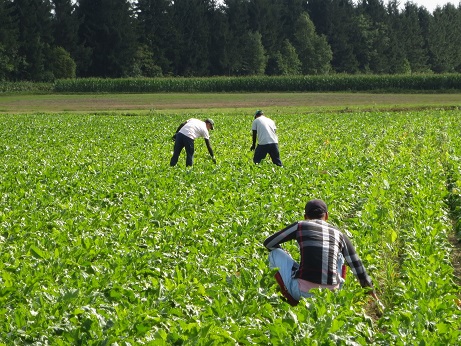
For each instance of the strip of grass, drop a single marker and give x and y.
(223, 103)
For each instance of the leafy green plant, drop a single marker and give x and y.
(102, 242)
(304, 83)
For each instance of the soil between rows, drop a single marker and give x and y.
(222, 102)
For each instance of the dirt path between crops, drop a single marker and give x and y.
(456, 258)
(223, 102)
(456, 263)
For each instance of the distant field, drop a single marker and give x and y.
(224, 103)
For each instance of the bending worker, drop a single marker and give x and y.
(185, 136)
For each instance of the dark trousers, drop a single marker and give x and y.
(182, 141)
(272, 149)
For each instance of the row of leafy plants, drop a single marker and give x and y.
(25, 87)
(429, 82)
(102, 242)
(329, 83)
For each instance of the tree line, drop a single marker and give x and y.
(44, 40)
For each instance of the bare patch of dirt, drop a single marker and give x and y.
(456, 258)
(230, 102)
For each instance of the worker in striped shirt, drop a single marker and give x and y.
(323, 252)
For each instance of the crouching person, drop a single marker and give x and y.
(324, 250)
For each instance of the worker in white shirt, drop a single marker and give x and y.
(264, 130)
(185, 136)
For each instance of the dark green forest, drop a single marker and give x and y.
(45, 40)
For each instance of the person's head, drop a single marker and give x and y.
(258, 113)
(209, 124)
(316, 209)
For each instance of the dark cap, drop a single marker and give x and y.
(258, 113)
(315, 209)
(211, 122)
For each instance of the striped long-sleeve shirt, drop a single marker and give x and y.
(320, 245)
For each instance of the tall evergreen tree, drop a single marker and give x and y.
(379, 60)
(254, 56)
(322, 14)
(336, 20)
(35, 39)
(313, 50)
(445, 39)
(291, 63)
(413, 40)
(191, 23)
(363, 43)
(395, 51)
(374, 9)
(116, 38)
(286, 61)
(289, 13)
(156, 32)
(371, 36)
(65, 25)
(219, 34)
(107, 29)
(238, 23)
(425, 19)
(9, 57)
(265, 18)
(65, 32)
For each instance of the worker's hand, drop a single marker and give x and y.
(214, 159)
(379, 305)
(252, 147)
(174, 137)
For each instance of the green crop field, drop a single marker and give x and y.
(102, 243)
